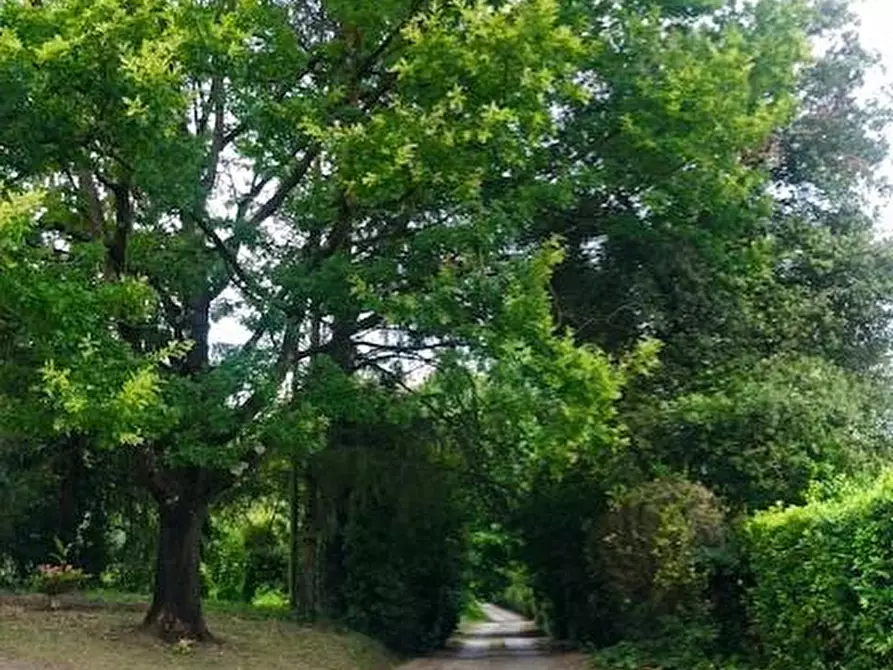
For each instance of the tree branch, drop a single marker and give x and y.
(291, 180)
(218, 138)
(228, 255)
(92, 203)
(117, 245)
(172, 311)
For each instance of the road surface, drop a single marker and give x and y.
(506, 642)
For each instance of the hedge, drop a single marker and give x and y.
(823, 582)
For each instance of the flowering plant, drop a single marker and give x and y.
(56, 579)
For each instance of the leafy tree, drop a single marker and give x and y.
(719, 206)
(288, 163)
(731, 222)
(711, 269)
(53, 317)
(768, 435)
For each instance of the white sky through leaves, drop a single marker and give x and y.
(877, 34)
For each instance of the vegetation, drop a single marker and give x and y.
(361, 314)
(100, 638)
(821, 581)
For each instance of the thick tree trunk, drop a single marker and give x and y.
(176, 610)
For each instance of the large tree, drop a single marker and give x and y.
(724, 208)
(723, 201)
(330, 173)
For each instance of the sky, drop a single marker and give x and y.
(877, 34)
(877, 22)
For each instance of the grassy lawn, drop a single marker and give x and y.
(103, 638)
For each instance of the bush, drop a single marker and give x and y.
(654, 550)
(133, 534)
(489, 557)
(225, 557)
(404, 556)
(391, 547)
(823, 594)
(553, 526)
(768, 433)
(60, 576)
(686, 648)
(518, 595)
(266, 562)
(245, 554)
(56, 579)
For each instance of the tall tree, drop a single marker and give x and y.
(709, 270)
(273, 161)
(723, 207)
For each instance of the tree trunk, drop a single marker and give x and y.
(294, 540)
(307, 581)
(176, 610)
(303, 550)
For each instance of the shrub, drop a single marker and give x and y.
(518, 595)
(245, 554)
(686, 648)
(770, 432)
(490, 553)
(823, 593)
(225, 557)
(266, 562)
(56, 579)
(553, 526)
(392, 544)
(404, 555)
(60, 576)
(133, 533)
(654, 550)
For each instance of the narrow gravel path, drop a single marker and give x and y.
(507, 641)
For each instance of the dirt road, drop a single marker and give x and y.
(506, 642)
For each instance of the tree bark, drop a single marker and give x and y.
(176, 610)
(307, 580)
(294, 541)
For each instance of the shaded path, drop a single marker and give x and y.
(504, 642)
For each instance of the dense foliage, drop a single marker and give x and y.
(821, 595)
(358, 310)
(653, 552)
(771, 433)
(403, 551)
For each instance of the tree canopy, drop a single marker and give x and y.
(556, 263)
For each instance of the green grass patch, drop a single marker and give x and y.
(473, 612)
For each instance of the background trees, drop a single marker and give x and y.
(732, 223)
(516, 271)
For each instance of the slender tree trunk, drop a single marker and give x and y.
(307, 582)
(302, 540)
(294, 539)
(176, 610)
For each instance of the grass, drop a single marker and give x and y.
(473, 612)
(107, 637)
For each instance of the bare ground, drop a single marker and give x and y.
(97, 638)
(100, 639)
